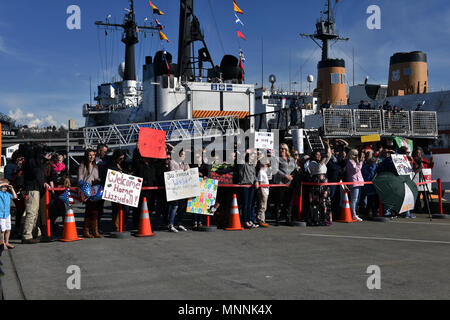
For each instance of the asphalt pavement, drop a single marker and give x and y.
(282, 262)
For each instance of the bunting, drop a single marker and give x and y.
(238, 21)
(167, 63)
(240, 35)
(158, 24)
(236, 8)
(155, 9)
(162, 36)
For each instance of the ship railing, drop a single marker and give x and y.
(124, 135)
(397, 123)
(424, 123)
(338, 122)
(356, 122)
(367, 122)
(283, 119)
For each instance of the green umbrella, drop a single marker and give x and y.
(396, 192)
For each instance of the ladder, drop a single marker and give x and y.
(126, 135)
(314, 140)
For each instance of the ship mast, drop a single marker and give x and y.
(189, 33)
(129, 38)
(325, 32)
(331, 78)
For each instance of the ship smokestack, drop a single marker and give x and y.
(408, 74)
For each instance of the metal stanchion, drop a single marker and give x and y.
(121, 234)
(441, 214)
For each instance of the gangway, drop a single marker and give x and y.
(126, 135)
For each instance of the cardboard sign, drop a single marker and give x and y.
(264, 140)
(122, 188)
(152, 143)
(207, 198)
(182, 184)
(402, 165)
(371, 138)
(427, 175)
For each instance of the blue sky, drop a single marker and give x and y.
(45, 68)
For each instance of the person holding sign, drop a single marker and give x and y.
(88, 172)
(176, 207)
(118, 164)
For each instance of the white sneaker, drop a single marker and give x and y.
(358, 219)
(255, 225)
(172, 229)
(181, 228)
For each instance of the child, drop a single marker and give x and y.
(58, 165)
(263, 194)
(5, 217)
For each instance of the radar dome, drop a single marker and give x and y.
(272, 79)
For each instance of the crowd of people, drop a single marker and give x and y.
(34, 169)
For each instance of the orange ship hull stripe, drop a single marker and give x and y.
(209, 114)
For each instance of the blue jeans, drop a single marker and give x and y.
(247, 195)
(175, 212)
(354, 198)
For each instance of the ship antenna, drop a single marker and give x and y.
(129, 38)
(325, 32)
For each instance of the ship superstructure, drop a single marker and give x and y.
(192, 90)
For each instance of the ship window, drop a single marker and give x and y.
(335, 78)
(407, 71)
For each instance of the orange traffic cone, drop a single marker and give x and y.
(234, 223)
(70, 228)
(145, 228)
(346, 213)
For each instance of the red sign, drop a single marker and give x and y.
(223, 178)
(152, 143)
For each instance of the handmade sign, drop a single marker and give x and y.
(182, 184)
(207, 198)
(402, 165)
(152, 143)
(264, 140)
(226, 178)
(408, 200)
(122, 188)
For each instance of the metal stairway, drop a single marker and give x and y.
(314, 140)
(124, 135)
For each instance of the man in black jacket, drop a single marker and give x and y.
(35, 184)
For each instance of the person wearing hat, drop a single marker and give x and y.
(7, 194)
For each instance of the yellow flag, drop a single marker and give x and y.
(162, 36)
(236, 8)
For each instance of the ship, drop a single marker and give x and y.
(194, 98)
